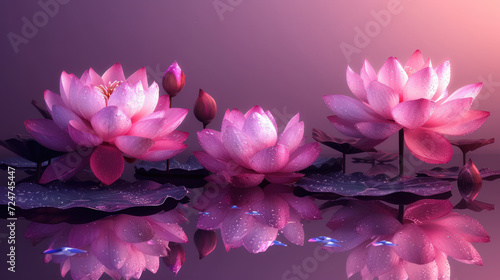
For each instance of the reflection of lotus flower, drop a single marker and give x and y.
(112, 116)
(469, 184)
(429, 234)
(120, 246)
(249, 149)
(174, 79)
(205, 108)
(412, 97)
(252, 217)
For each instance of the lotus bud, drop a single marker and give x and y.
(205, 241)
(174, 79)
(176, 257)
(469, 181)
(205, 108)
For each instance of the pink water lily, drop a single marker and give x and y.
(428, 235)
(99, 120)
(121, 246)
(248, 149)
(413, 97)
(253, 217)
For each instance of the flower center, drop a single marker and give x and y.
(109, 89)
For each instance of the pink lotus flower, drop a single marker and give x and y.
(248, 149)
(413, 97)
(429, 234)
(101, 119)
(121, 246)
(252, 217)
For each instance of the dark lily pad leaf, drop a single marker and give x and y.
(399, 190)
(467, 145)
(43, 111)
(117, 196)
(474, 205)
(324, 166)
(29, 149)
(191, 167)
(377, 156)
(19, 163)
(451, 174)
(345, 146)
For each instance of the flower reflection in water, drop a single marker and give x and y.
(121, 246)
(252, 217)
(428, 235)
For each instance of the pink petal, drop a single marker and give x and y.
(52, 99)
(397, 273)
(75, 92)
(393, 75)
(452, 244)
(162, 150)
(467, 91)
(175, 136)
(427, 210)
(382, 99)
(283, 178)
(86, 267)
(133, 145)
(305, 206)
(443, 266)
(381, 260)
(292, 136)
(274, 211)
(107, 164)
(302, 158)
(150, 102)
(270, 159)
(293, 230)
(366, 275)
(133, 229)
(292, 122)
(89, 102)
(413, 245)
(170, 217)
(422, 84)
(234, 118)
(377, 224)
(245, 197)
(238, 145)
(260, 131)
(367, 73)
(152, 263)
(170, 232)
(83, 235)
(205, 241)
(422, 272)
(444, 73)
(139, 76)
(428, 146)
(163, 102)
(85, 78)
(255, 109)
(270, 116)
(246, 180)
(235, 226)
(356, 84)
(110, 122)
(83, 135)
(47, 133)
(109, 250)
(134, 266)
(114, 73)
(129, 98)
(210, 163)
(66, 166)
(95, 78)
(414, 63)
(64, 87)
(153, 247)
(414, 113)
(259, 238)
(470, 122)
(62, 116)
(356, 260)
(345, 127)
(349, 109)
(378, 130)
(447, 112)
(470, 229)
(211, 142)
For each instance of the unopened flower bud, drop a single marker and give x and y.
(205, 108)
(175, 258)
(205, 241)
(469, 181)
(174, 79)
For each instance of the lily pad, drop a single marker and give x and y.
(345, 146)
(29, 149)
(451, 173)
(467, 145)
(192, 166)
(377, 156)
(324, 165)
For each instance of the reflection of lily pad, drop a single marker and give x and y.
(18, 163)
(345, 146)
(324, 165)
(192, 166)
(378, 156)
(118, 196)
(451, 173)
(398, 190)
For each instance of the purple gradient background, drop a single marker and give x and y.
(282, 55)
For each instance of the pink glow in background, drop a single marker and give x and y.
(282, 55)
